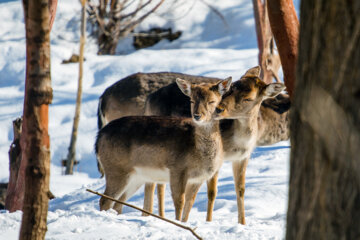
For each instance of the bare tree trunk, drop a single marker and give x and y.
(14, 163)
(285, 27)
(16, 199)
(72, 148)
(264, 36)
(324, 194)
(35, 141)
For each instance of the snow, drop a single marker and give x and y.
(207, 47)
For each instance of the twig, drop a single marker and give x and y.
(217, 12)
(149, 213)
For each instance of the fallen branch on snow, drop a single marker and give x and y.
(151, 214)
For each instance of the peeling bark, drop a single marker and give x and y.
(35, 141)
(41, 94)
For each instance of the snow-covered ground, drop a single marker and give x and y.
(207, 47)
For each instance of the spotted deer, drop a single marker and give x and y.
(182, 151)
(271, 125)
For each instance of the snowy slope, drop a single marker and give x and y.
(208, 47)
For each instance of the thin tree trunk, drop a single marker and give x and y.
(72, 148)
(285, 27)
(324, 193)
(35, 141)
(264, 36)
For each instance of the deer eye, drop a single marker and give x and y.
(219, 110)
(211, 102)
(248, 100)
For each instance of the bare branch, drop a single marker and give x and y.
(133, 24)
(133, 14)
(149, 213)
(217, 12)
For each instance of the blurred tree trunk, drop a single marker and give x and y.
(268, 59)
(15, 200)
(285, 27)
(72, 148)
(324, 194)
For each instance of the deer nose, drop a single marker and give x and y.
(197, 117)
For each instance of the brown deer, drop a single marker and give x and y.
(248, 125)
(127, 96)
(169, 101)
(272, 125)
(185, 152)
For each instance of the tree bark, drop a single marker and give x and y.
(285, 27)
(35, 141)
(52, 10)
(16, 199)
(324, 194)
(14, 164)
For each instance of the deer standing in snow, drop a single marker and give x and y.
(267, 116)
(185, 152)
(273, 124)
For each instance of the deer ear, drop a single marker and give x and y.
(224, 86)
(253, 72)
(273, 89)
(184, 85)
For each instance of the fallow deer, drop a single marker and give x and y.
(169, 101)
(272, 125)
(185, 152)
(240, 133)
(127, 96)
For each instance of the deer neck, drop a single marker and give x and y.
(247, 127)
(207, 132)
(243, 140)
(209, 146)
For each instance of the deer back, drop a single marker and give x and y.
(127, 96)
(170, 101)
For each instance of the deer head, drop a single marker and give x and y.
(245, 96)
(204, 97)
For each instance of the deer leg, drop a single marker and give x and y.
(211, 192)
(190, 195)
(177, 186)
(117, 206)
(148, 198)
(239, 169)
(132, 186)
(114, 188)
(160, 188)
